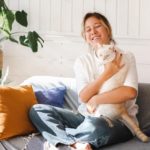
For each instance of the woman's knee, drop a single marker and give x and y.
(36, 109)
(41, 107)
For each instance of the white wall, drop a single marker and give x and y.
(59, 22)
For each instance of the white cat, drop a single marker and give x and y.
(105, 54)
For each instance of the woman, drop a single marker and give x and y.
(59, 126)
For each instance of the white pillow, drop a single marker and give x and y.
(44, 82)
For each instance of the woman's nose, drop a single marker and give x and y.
(93, 31)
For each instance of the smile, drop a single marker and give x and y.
(96, 38)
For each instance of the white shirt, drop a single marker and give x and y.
(87, 67)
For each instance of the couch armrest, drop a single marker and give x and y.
(143, 101)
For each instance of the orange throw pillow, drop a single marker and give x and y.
(15, 103)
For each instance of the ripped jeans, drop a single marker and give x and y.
(62, 126)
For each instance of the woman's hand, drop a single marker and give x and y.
(91, 105)
(113, 67)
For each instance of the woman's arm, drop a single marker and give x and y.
(93, 88)
(116, 96)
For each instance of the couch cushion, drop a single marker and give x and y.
(143, 101)
(15, 103)
(51, 96)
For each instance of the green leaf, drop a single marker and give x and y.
(21, 18)
(9, 20)
(1, 17)
(23, 41)
(31, 40)
(38, 37)
(2, 4)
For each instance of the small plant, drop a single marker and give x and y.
(7, 18)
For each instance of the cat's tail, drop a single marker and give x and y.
(139, 134)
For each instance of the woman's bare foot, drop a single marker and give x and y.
(81, 146)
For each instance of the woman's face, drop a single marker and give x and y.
(96, 32)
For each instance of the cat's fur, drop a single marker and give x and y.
(106, 54)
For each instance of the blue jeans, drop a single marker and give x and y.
(61, 126)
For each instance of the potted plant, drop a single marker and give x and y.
(7, 18)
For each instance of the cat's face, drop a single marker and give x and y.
(105, 53)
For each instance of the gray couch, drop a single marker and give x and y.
(143, 101)
(37, 142)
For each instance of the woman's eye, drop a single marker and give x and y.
(98, 26)
(87, 30)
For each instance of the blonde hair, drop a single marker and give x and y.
(104, 21)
